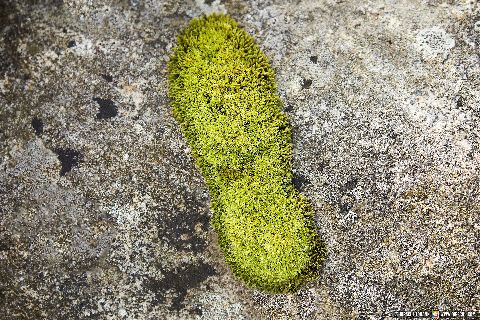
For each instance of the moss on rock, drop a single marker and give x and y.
(224, 96)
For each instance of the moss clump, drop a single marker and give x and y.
(224, 96)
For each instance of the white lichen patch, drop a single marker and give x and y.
(84, 47)
(434, 42)
(207, 7)
(220, 305)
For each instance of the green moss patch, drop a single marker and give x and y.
(224, 96)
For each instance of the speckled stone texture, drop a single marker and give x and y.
(103, 214)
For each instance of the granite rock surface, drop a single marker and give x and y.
(103, 214)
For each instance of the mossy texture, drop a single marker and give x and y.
(224, 96)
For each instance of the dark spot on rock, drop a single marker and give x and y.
(393, 135)
(3, 297)
(209, 2)
(107, 77)
(183, 222)
(288, 108)
(160, 131)
(306, 83)
(107, 110)
(37, 125)
(5, 244)
(345, 208)
(300, 181)
(179, 282)
(350, 184)
(71, 44)
(69, 158)
(177, 302)
(470, 155)
(314, 59)
(460, 103)
(196, 311)
(322, 165)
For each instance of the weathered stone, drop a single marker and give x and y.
(384, 99)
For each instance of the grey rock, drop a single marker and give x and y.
(103, 214)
